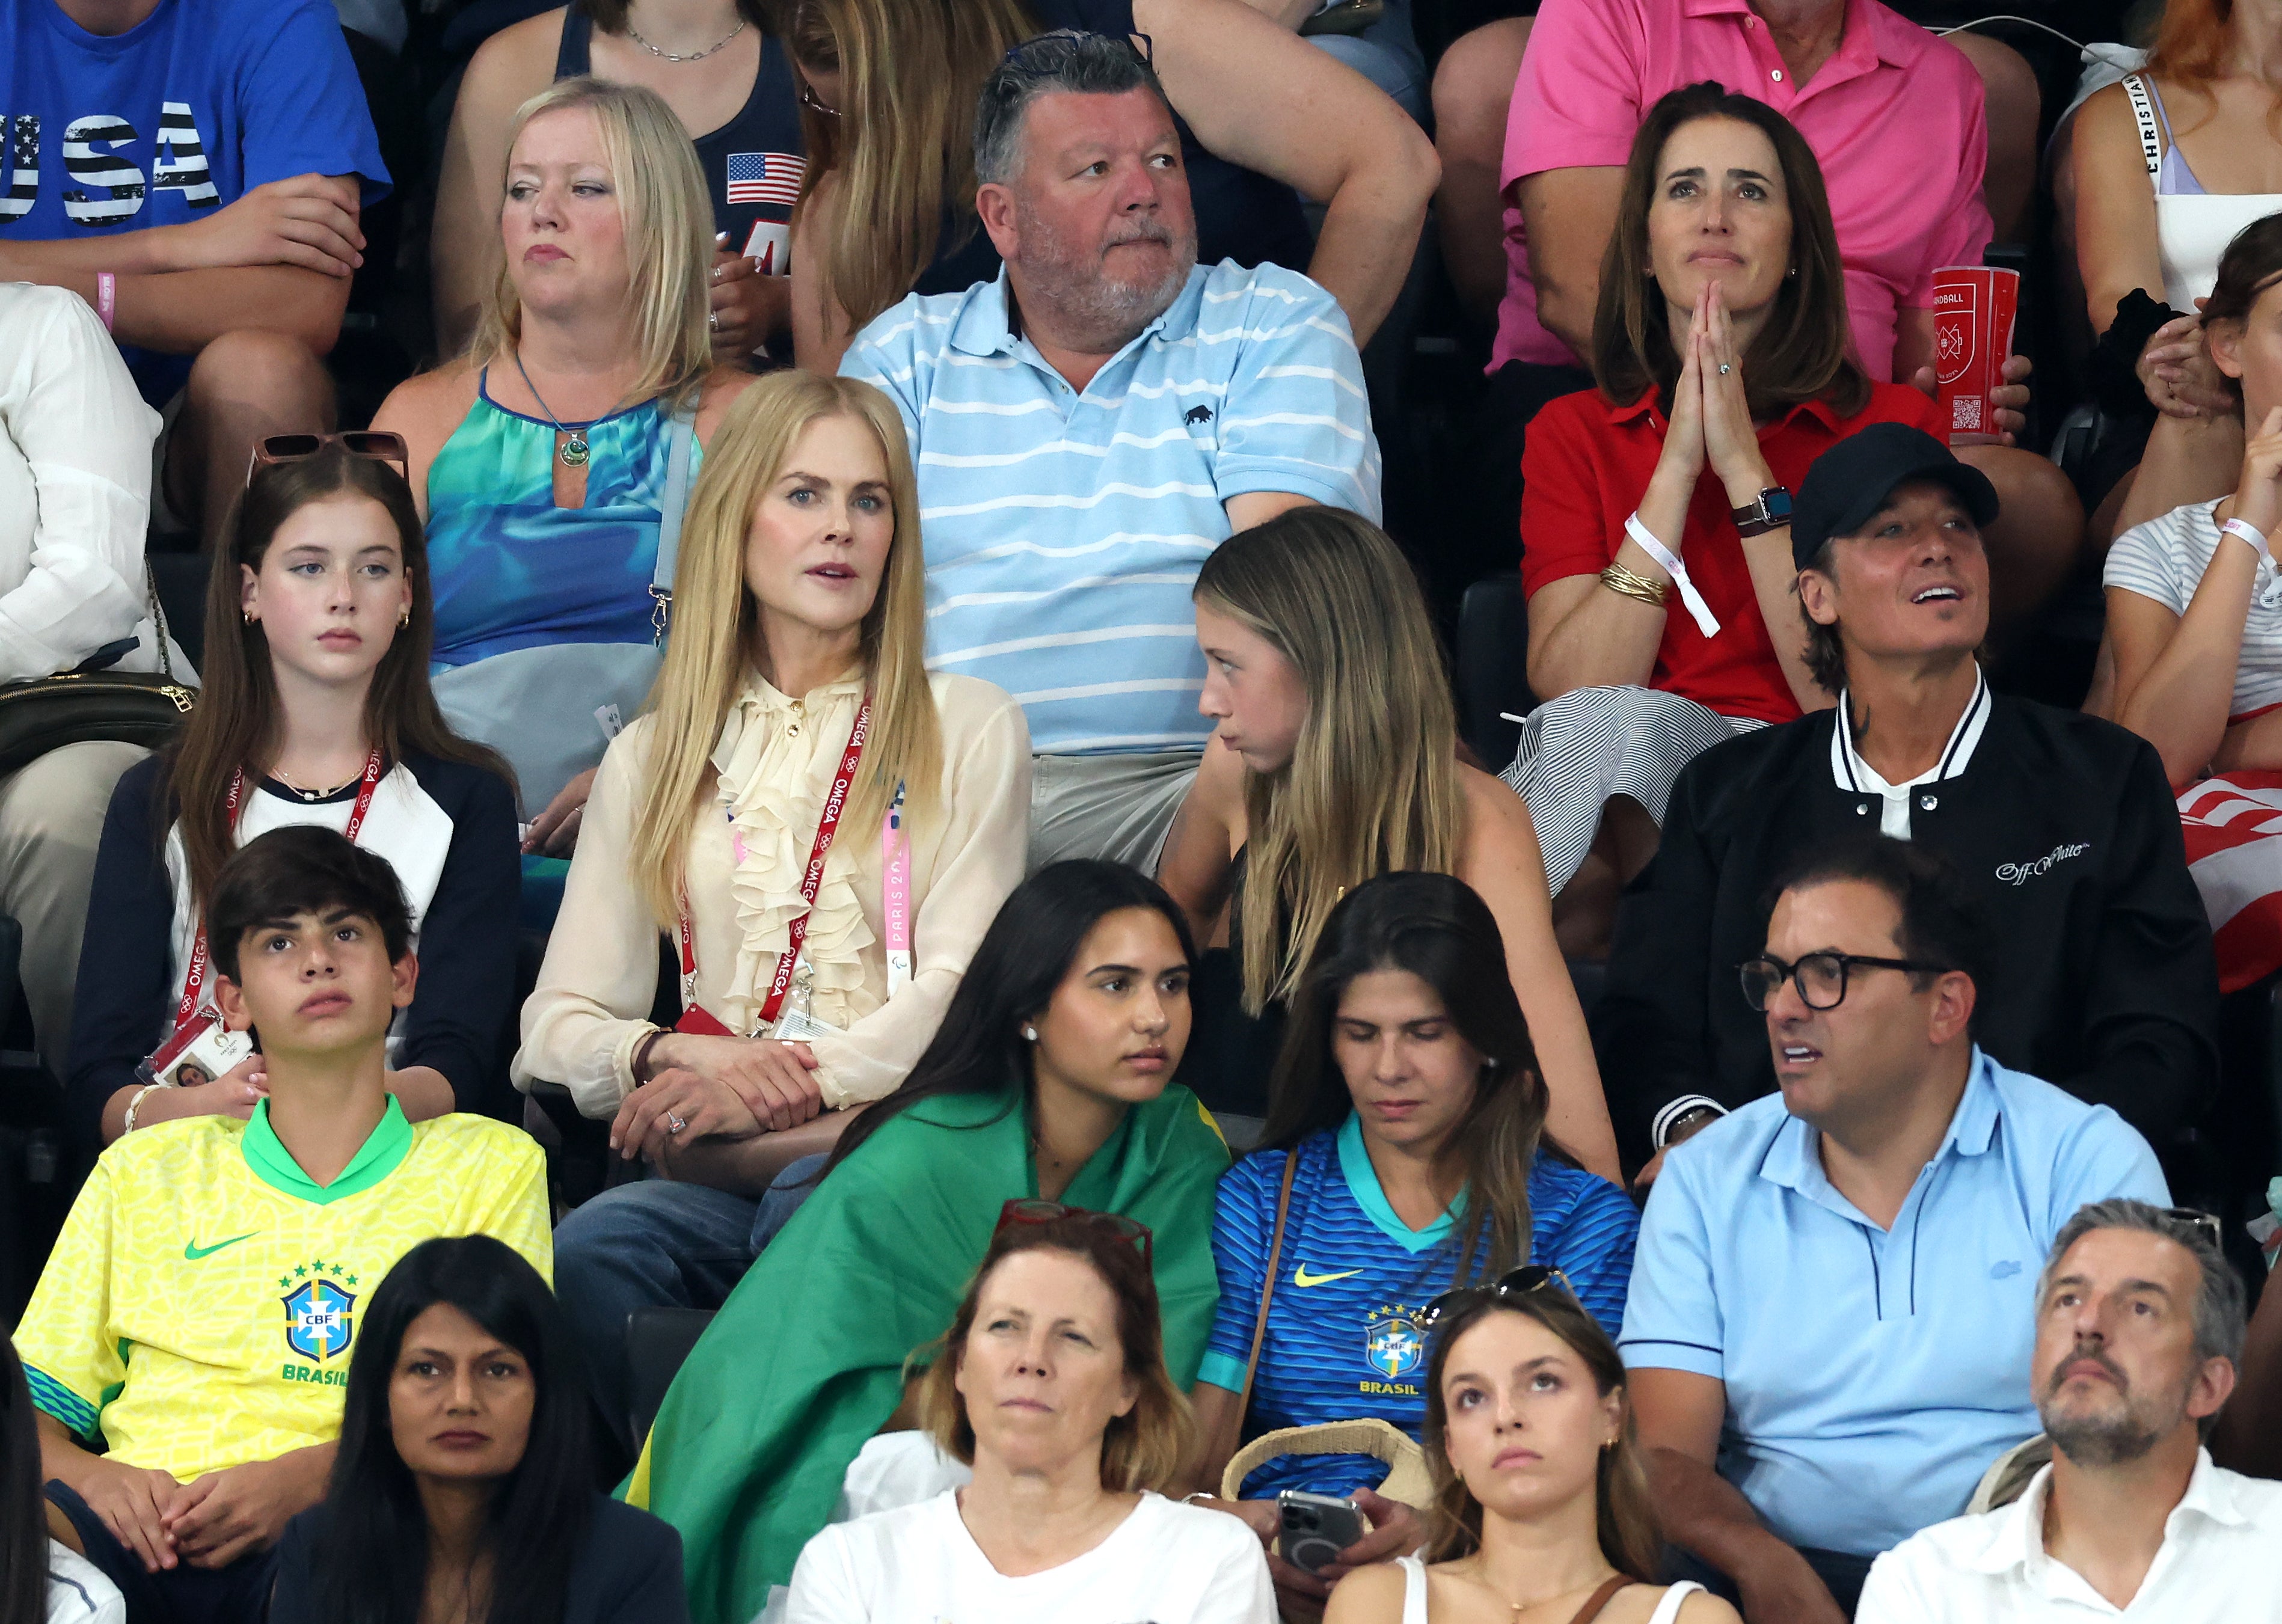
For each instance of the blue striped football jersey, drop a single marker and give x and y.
(1343, 1338)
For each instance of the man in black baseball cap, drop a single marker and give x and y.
(2062, 823)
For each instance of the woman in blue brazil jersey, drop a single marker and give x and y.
(1406, 1119)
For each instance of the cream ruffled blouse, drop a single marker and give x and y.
(777, 758)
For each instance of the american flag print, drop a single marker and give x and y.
(771, 179)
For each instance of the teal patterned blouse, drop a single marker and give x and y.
(510, 570)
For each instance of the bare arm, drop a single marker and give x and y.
(821, 328)
(1205, 834)
(1258, 95)
(1680, 1414)
(1285, 13)
(2115, 241)
(2249, 1435)
(1216, 1414)
(1502, 862)
(463, 253)
(1570, 214)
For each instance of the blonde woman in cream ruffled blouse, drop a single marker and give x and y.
(798, 599)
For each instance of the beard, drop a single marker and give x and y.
(1101, 311)
(2112, 1435)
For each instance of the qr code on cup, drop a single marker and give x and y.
(1965, 413)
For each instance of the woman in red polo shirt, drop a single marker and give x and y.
(1655, 518)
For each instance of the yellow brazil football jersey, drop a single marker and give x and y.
(198, 1310)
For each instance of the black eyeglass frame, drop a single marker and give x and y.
(1793, 972)
(1509, 1287)
(1146, 49)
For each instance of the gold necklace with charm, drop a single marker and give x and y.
(572, 449)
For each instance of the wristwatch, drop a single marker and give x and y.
(1770, 511)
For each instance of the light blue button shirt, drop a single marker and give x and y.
(1872, 1374)
(1064, 528)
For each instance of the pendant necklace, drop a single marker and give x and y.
(693, 56)
(573, 449)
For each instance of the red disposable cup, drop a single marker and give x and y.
(1973, 310)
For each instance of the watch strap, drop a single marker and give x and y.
(1769, 510)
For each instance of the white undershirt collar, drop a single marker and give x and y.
(1858, 777)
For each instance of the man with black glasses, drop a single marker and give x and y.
(1830, 1326)
(2061, 825)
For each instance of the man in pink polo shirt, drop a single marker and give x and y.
(1895, 116)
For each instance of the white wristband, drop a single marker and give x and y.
(2248, 531)
(1701, 611)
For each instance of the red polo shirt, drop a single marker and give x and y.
(1584, 471)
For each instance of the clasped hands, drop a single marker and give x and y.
(212, 1520)
(716, 1087)
(1711, 421)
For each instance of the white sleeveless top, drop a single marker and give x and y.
(2193, 227)
(1414, 1594)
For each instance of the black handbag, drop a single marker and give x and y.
(92, 702)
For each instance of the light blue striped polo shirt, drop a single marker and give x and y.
(1065, 528)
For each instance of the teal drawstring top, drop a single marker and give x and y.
(510, 570)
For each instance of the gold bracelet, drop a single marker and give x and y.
(1625, 584)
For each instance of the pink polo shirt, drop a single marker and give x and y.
(1895, 117)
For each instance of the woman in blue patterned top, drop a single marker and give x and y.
(540, 458)
(1408, 1116)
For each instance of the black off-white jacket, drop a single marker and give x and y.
(2062, 823)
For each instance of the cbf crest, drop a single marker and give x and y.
(319, 1310)
(1393, 1343)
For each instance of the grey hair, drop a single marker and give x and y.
(2221, 1307)
(1088, 63)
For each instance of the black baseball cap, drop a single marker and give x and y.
(1849, 482)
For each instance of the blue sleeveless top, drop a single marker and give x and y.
(507, 568)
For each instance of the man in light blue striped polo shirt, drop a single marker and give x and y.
(1093, 422)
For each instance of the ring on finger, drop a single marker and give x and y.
(673, 1123)
(1726, 367)
(713, 320)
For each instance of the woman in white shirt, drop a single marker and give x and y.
(824, 829)
(41, 1580)
(1540, 1505)
(1051, 1384)
(74, 501)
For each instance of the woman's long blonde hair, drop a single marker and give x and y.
(668, 216)
(903, 142)
(717, 636)
(1372, 785)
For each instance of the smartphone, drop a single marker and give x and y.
(1316, 1528)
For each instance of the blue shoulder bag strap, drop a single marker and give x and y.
(680, 434)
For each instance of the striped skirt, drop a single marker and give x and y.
(1593, 742)
(2233, 829)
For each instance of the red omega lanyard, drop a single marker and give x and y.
(194, 980)
(810, 880)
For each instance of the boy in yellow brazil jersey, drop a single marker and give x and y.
(189, 1341)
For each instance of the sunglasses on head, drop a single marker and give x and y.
(377, 444)
(1508, 1287)
(2203, 1223)
(1019, 1212)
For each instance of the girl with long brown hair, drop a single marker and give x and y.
(1540, 1508)
(1405, 1153)
(1336, 759)
(317, 708)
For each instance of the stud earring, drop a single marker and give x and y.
(1030, 1033)
(246, 615)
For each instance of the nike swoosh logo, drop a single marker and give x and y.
(194, 1251)
(1301, 1277)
